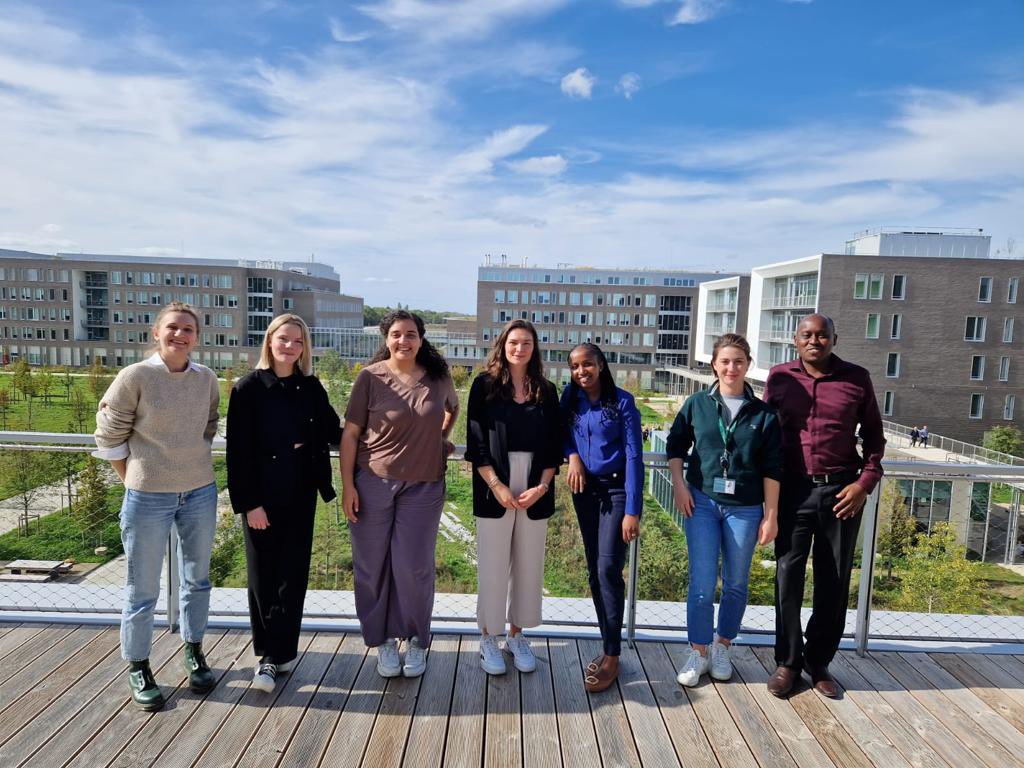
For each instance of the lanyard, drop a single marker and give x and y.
(726, 433)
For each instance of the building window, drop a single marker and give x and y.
(499, 297)
(1008, 329)
(1011, 290)
(875, 286)
(1011, 400)
(871, 332)
(1004, 368)
(287, 304)
(887, 402)
(978, 367)
(985, 289)
(892, 365)
(899, 286)
(896, 329)
(975, 328)
(977, 405)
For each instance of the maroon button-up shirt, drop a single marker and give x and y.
(819, 420)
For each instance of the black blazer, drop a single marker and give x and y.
(262, 469)
(487, 445)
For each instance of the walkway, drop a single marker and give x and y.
(63, 702)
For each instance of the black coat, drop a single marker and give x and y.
(487, 445)
(263, 419)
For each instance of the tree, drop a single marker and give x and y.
(897, 527)
(23, 381)
(460, 375)
(5, 406)
(80, 410)
(1008, 439)
(938, 577)
(330, 365)
(93, 509)
(241, 368)
(44, 383)
(23, 473)
(97, 380)
(229, 379)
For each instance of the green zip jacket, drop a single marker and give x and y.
(755, 447)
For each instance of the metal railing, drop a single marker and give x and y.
(800, 301)
(958, 448)
(646, 615)
(770, 334)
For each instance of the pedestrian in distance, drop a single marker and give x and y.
(604, 448)
(729, 498)
(280, 430)
(821, 399)
(923, 436)
(514, 442)
(393, 452)
(155, 426)
(915, 434)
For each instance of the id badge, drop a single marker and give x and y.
(725, 486)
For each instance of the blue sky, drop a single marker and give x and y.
(401, 140)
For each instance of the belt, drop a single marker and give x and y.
(833, 478)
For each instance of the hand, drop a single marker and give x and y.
(576, 477)
(768, 530)
(504, 496)
(257, 519)
(449, 448)
(683, 499)
(350, 503)
(851, 500)
(530, 496)
(630, 528)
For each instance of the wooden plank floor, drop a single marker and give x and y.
(63, 702)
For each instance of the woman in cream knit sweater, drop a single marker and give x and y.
(155, 425)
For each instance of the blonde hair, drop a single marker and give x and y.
(305, 361)
(174, 306)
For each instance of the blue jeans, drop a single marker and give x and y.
(730, 531)
(146, 520)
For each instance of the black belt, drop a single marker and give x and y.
(613, 479)
(833, 478)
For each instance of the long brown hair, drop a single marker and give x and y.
(498, 368)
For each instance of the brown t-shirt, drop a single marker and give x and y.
(401, 421)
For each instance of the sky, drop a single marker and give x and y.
(402, 140)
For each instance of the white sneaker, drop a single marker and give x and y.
(265, 677)
(721, 664)
(389, 663)
(491, 660)
(522, 653)
(696, 665)
(415, 658)
(286, 666)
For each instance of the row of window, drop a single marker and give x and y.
(14, 293)
(53, 314)
(180, 279)
(974, 328)
(976, 409)
(510, 296)
(31, 275)
(561, 336)
(159, 299)
(647, 320)
(978, 368)
(514, 276)
(871, 286)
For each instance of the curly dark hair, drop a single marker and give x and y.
(497, 366)
(609, 396)
(428, 357)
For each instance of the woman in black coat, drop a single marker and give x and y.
(280, 429)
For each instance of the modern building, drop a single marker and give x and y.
(641, 318)
(940, 334)
(74, 309)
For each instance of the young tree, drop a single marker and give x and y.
(938, 577)
(229, 379)
(330, 365)
(897, 531)
(23, 473)
(92, 500)
(1008, 439)
(80, 410)
(44, 383)
(22, 380)
(97, 381)
(5, 406)
(460, 375)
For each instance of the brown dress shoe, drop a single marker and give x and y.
(781, 681)
(824, 683)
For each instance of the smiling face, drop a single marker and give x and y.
(519, 347)
(176, 335)
(585, 369)
(814, 339)
(403, 341)
(730, 365)
(286, 345)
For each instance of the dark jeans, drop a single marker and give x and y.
(277, 562)
(599, 510)
(807, 525)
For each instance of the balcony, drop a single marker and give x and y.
(62, 692)
(721, 306)
(800, 301)
(771, 334)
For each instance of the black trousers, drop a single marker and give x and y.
(808, 525)
(600, 510)
(278, 568)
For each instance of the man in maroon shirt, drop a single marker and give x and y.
(821, 400)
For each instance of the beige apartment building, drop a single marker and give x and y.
(74, 309)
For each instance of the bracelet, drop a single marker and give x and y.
(493, 482)
(544, 486)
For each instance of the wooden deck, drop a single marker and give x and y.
(63, 702)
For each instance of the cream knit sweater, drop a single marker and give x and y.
(167, 420)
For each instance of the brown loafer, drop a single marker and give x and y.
(782, 681)
(602, 679)
(823, 682)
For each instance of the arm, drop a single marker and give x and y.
(576, 474)
(349, 447)
(769, 527)
(850, 500)
(478, 449)
(214, 415)
(242, 452)
(677, 446)
(115, 422)
(633, 443)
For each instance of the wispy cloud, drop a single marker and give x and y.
(578, 84)
(340, 35)
(698, 11)
(548, 165)
(456, 19)
(628, 85)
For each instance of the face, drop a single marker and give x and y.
(403, 340)
(814, 339)
(731, 364)
(176, 334)
(585, 368)
(519, 347)
(286, 344)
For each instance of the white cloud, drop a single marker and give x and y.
(578, 84)
(454, 19)
(340, 35)
(697, 11)
(548, 165)
(628, 85)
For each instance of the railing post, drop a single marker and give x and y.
(634, 568)
(172, 580)
(869, 526)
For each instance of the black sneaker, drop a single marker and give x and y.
(146, 694)
(200, 677)
(265, 677)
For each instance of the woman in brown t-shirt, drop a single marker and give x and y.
(393, 453)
